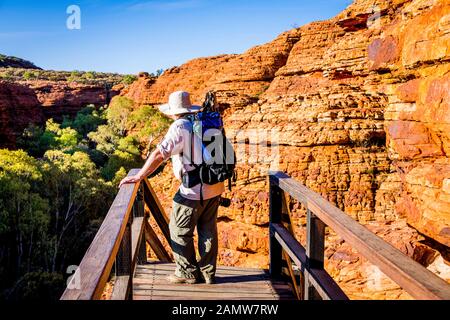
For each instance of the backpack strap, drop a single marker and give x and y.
(224, 156)
(197, 167)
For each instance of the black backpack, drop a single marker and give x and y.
(208, 125)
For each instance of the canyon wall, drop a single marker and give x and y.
(26, 102)
(67, 98)
(19, 107)
(360, 108)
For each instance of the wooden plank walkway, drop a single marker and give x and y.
(150, 283)
(122, 237)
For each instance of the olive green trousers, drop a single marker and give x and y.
(186, 215)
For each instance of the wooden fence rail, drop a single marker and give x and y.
(415, 279)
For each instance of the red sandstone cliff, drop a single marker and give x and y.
(26, 102)
(19, 107)
(67, 98)
(361, 102)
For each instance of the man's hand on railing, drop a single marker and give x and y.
(152, 163)
(132, 179)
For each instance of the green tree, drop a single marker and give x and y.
(23, 213)
(106, 139)
(120, 161)
(111, 139)
(37, 286)
(78, 195)
(117, 114)
(51, 207)
(119, 175)
(147, 125)
(32, 141)
(87, 120)
(65, 139)
(125, 157)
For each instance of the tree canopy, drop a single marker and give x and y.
(55, 191)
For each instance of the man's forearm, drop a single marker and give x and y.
(152, 163)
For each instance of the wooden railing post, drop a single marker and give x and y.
(275, 214)
(315, 249)
(156, 209)
(124, 259)
(138, 207)
(138, 210)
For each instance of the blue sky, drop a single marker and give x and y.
(132, 36)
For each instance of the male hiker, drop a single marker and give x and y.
(192, 206)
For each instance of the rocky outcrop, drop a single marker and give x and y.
(239, 80)
(19, 107)
(359, 105)
(14, 62)
(418, 113)
(60, 99)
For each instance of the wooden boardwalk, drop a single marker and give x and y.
(119, 250)
(150, 283)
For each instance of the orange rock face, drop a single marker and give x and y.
(418, 118)
(237, 79)
(360, 108)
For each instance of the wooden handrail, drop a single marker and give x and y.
(415, 279)
(326, 286)
(94, 269)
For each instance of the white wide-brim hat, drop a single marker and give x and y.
(179, 103)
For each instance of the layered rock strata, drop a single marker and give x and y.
(32, 102)
(359, 108)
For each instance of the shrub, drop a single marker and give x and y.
(89, 75)
(129, 79)
(27, 75)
